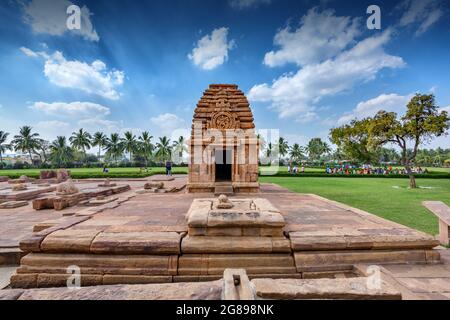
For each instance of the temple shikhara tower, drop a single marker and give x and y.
(223, 144)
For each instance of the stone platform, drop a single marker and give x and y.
(145, 240)
(235, 285)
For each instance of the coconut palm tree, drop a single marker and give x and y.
(180, 146)
(261, 142)
(296, 152)
(60, 152)
(3, 145)
(114, 146)
(163, 149)
(81, 140)
(145, 146)
(99, 139)
(26, 141)
(283, 147)
(129, 143)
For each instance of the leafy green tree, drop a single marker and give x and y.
(26, 141)
(99, 139)
(145, 146)
(352, 139)
(3, 146)
(296, 152)
(129, 143)
(422, 122)
(114, 147)
(163, 149)
(60, 152)
(316, 148)
(81, 140)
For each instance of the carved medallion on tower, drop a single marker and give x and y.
(223, 120)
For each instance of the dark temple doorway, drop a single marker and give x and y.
(223, 165)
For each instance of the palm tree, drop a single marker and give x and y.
(114, 146)
(60, 152)
(180, 146)
(81, 140)
(261, 142)
(296, 152)
(99, 139)
(3, 145)
(129, 143)
(164, 151)
(283, 147)
(269, 150)
(145, 146)
(26, 141)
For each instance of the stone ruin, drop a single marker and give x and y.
(67, 188)
(57, 176)
(107, 184)
(22, 179)
(19, 187)
(223, 144)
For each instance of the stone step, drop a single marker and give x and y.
(226, 189)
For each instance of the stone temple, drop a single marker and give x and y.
(223, 145)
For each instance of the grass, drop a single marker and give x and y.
(322, 170)
(96, 172)
(386, 198)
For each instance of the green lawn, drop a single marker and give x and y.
(95, 171)
(387, 198)
(320, 170)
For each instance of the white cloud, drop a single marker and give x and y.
(50, 17)
(49, 130)
(297, 94)
(212, 50)
(104, 125)
(388, 102)
(446, 109)
(73, 109)
(321, 35)
(168, 123)
(92, 78)
(29, 53)
(244, 4)
(423, 13)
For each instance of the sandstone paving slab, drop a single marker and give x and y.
(104, 264)
(317, 260)
(69, 241)
(32, 242)
(170, 291)
(13, 204)
(351, 288)
(213, 264)
(422, 271)
(234, 245)
(137, 243)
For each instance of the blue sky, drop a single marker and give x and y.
(306, 66)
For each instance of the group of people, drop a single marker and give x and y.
(294, 169)
(369, 170)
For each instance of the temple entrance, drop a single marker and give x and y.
(223, 165)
